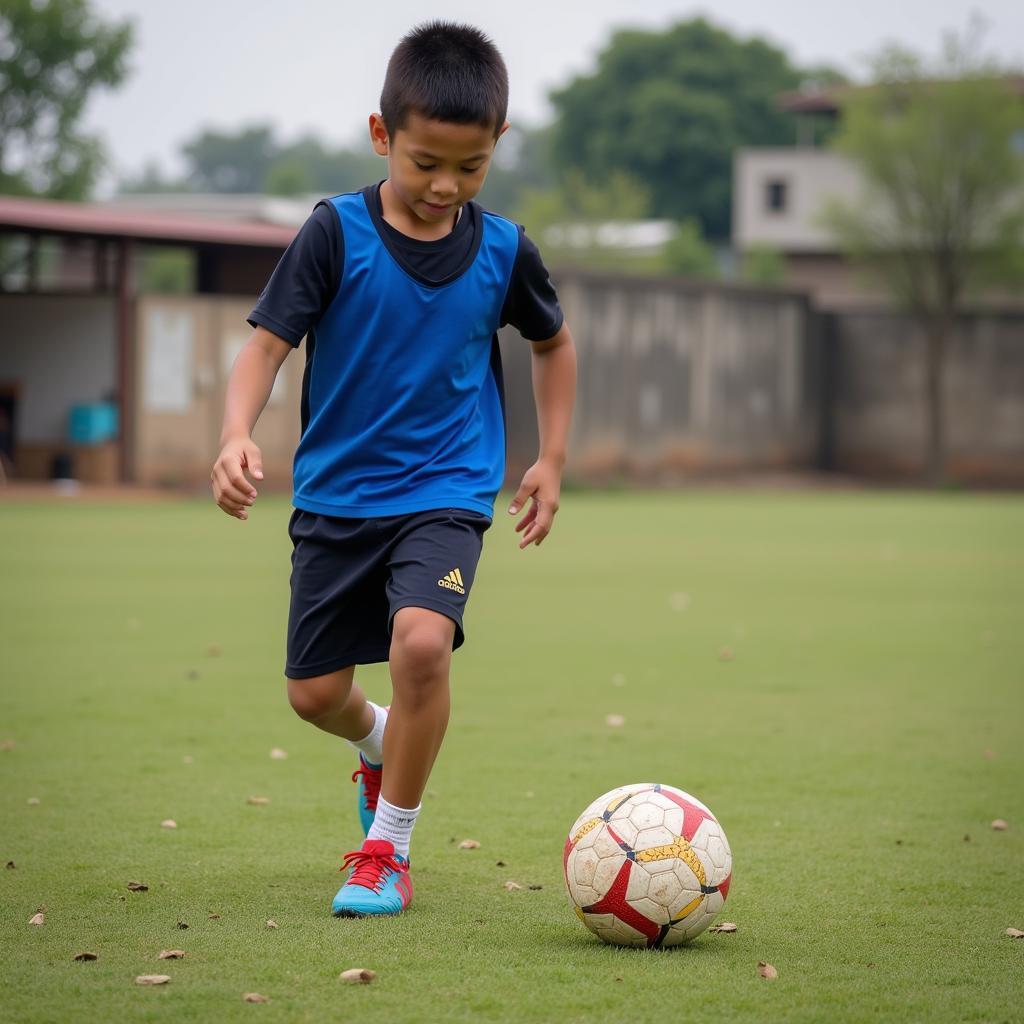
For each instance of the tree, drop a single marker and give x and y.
(668, 108)
(224, 162)
(688, 252)
(942, 213)
(54, 54)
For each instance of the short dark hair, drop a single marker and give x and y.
(444, 71)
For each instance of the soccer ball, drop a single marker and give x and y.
(647, 865)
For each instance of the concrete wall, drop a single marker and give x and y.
(676, 376)
(875, 376)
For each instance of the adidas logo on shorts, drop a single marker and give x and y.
(453, 581)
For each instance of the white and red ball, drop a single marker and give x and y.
(647, 865)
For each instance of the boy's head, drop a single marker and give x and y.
(442, 110)
(445, 72)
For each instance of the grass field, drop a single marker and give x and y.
(856, 747)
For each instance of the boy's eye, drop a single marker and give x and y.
(471, 170)
(424, 167)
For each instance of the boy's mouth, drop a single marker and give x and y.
(437, 207)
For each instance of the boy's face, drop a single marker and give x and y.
(434, 167)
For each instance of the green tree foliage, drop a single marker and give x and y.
(668, 108)
(689, 253)
(939, 148)
(54, 54)
(763, 264)
(224, 162)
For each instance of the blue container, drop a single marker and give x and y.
(93, 423)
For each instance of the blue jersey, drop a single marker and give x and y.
(403, 405)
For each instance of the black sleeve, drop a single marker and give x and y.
(305, 280)
(531, 305)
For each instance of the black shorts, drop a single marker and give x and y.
(350, 577)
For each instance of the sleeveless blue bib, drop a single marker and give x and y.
(404, 405)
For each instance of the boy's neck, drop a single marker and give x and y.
(402, 219)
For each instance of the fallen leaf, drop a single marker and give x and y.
(168, 823)
(138, 887)
(766, 970)
(989, 754)
(187, 759)
(258, 801)
(86, 956)
(614, 720)
(213, 917)
(171, 954)
(214, 650)
(469, 844)
(1015, 933)
(10, 865)
(513, 886)
(726, 654)
(535, 888)
(33, 801)
(724, 926)
(36, 919)
(499, 864)
(358, 976)
(255, 997)
(999, 825)
(618, 679)
(7, 745)
(679, 601)
(271, 924)
(277, 754)
(182, 925)
(152, 979)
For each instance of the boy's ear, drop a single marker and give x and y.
(379, 135)
(504, 128)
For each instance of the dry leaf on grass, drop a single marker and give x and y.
(7, 745)
(36, 919)
(724, 926)
(168, 823)
(618, 679)
(171, 954)
(1015, 933)
(989, 754)
(614, 720)
(726, 654)
(213, 917)
(358, 976)
(182, 925)
(766, 970)
(188, 759)
(999, 825)
(33, 801)
(214, 650)
(258, 801)
(469, 844)
(152, 979)
(271, 924)
(255, 997)
(513, 886)
(499, 864)
(277, 754)
(85, 956)
(138, 887)
(10, 865)
(535, 888)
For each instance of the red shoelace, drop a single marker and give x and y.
(371, 783)
(370, 866)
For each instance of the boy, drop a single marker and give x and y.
(400, 289)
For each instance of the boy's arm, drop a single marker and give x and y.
(249, 386)
(554, 390)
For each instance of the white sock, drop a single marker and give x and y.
(370, 746)
(394, 824)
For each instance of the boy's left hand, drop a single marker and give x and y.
(542, 483)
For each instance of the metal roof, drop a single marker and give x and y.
(48, 216)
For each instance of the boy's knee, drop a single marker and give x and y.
(311, 699)
(422, 641)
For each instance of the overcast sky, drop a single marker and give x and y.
(318, 65)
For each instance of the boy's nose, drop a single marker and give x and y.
(444, 187)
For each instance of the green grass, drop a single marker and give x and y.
(870, 721)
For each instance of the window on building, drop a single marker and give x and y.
(776, 195)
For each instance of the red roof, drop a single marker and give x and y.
(48, 216)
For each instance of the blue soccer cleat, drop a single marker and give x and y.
(368, 778)
(378, 883)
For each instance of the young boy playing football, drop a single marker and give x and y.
(399, 290)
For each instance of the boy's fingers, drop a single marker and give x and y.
(531, 515)
(520, 498)
(254, 460)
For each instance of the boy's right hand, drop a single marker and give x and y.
(232, 490)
